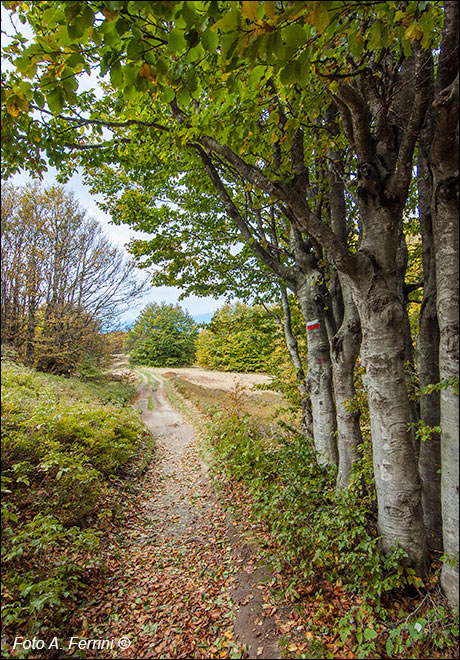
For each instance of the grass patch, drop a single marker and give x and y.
(151, 405)
(153, 384)
(263, 407)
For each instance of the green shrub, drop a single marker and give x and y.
(325, 541)
(55, 558)
(62, 441)
(318, 531)
(239, 338)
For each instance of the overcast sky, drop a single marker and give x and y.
(200, 308)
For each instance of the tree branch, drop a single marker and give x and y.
(401, 178)
(360, 124)
(284, 272)
(101, 122)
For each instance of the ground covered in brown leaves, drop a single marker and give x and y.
(183, 577)
(178, 581)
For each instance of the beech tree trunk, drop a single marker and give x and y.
(346, 343)
(293, 349)
(444, 166)
(319, 374)
(428, 361)
(345, 347)
(378, 293)
(445, 225)
(382, 127)
(444, 158)
(400, 519)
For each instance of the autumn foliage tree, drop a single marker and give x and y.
(306, 118)
(62, 280)
(238, 338)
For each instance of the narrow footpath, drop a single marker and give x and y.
(182, 583)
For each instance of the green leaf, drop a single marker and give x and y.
(183, 96)
(76, 29)
(369, 633)
(121, 26)
(228, 45)
(55, 100)
(256, 75)
(294, 35)
(116, 75)
(188, 13)
(168, 94)
(129, 75)
(87, 18)
(39, 99)
(192, 38)
(134, 49)
(209, 40)
(288, 74)
(176, 41)
(228, 22)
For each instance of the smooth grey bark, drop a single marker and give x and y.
(427, 351)
(444, 158)
(311, 295)
(319, 374)
(346, 343)
(293, 349)
(400, 520)
(345, 349)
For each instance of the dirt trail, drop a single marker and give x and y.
(188, 495)
(188, 585)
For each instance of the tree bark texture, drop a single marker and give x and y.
(346, 343)
(444, 167)
(400, 520)
(428, 359)
(319, 374)
(382, 127)
(345, 349)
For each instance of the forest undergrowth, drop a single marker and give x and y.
(351, 601)
(68, 446)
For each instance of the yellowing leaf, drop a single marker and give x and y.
(414, 31)
(270, 8)
(109, 15)
(12, 109)
(146, 72)
(249, 10)
(16, 104)
(321, 17)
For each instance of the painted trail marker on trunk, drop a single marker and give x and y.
(312, 325)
